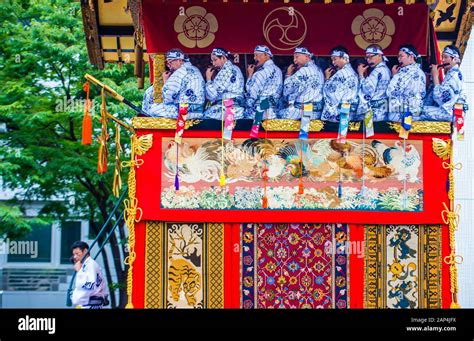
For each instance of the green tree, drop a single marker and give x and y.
(43, 59)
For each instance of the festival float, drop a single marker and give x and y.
(270, 214)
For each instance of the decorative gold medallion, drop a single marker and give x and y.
(196, 27)
(284, 28)
(373, 27)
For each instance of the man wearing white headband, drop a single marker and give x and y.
(439, 104)
(183, 83)
(227, 83)
(264, 82)
(407, 88)
(373, 88)
(341, 86)
(303, 84)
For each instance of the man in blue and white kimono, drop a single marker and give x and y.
(265, 81)
(341, 86)
(373, 88)
(228, 83)
(439, 104)
(303, 84)
(90, 289)
(182, 84)
(407, 88)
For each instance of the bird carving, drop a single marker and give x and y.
(448, 15)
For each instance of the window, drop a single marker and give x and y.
(70, 232)
(35, 247)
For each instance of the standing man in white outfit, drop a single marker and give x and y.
(90, 289)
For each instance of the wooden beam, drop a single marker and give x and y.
(91, 31)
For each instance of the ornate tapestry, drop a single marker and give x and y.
(294, 265)
(184, 265)
(403, 266)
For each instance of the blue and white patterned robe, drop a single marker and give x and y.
(439, 104)
(185, 85)
(229, 83)
(304, 86)
(342, 87)
(148, 99)
(406, 91)
(266, 82)
(373, 93)
(89, 282)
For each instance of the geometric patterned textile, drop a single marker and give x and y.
(403, 266)
(294, 265)
(184, 266)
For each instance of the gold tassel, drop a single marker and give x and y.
(117, 185)
(455, 305)
(104, 136)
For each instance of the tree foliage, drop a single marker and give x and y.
(43, 59)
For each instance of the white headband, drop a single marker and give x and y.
(342, 54)
(409, 52)
(263, 49)
(303, 50)
(171, 55)
(373, 50)
(220, 52)
(450, 52)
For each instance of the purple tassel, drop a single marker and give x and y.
(176, 177)
(176, 181)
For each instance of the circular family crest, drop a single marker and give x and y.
(284, 28)
(196, 27)
(373, 27)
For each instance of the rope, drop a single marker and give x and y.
(450, 217)
(140, 146)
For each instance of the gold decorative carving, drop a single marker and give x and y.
(291, 125)
(158, 69)
(442, 148)
(354, 126)
(159, 123)
(425, 127)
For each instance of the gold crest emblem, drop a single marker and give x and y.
(373, 27)
(196, 27)
(284, 28)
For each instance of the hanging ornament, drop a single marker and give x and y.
(103, 137)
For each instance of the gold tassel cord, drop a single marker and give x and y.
(450, 216)
(139, 146)
(117, 184)
(103, 137)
